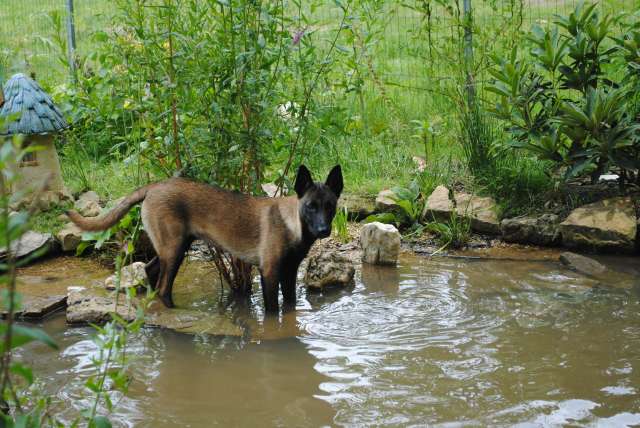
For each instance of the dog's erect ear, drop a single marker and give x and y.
(334, 180)
(303, 181)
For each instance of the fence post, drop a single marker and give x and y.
(71, 40)
(468, 48)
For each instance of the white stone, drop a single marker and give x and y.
(88, 204)
(69, 237)
(133, 275)
(380, 243)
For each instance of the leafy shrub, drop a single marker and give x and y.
(409, 207)
(563, 102)
(453, 234)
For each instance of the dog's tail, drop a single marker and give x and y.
(107, 220)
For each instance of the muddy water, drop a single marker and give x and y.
(447, 342)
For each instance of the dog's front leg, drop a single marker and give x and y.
(288, 277)
(269, 281)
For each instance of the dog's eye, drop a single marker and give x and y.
(312, 206)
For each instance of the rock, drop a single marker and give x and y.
(94, 305)
(582, 264)
(37, 307)
(541, 230)
(133, 275)
(386, 201)
(30, 243)
(329, 269)
(66, 195)
(438, 206)
(88, 204)
(271, 189)
(482, 211)
(46, 200)
(380, 243)
(192, 321)
(609, 224)
(69, 237)
(358, 207)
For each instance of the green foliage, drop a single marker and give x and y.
(478, 134)
(453, 234)
(20, 399)
(409, 207)
(124, 233)
(15, 377)
(218, 91)
(340, 222)
(563, 103)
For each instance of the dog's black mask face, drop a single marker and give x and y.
(318, 201)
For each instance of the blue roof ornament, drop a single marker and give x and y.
(36, 112)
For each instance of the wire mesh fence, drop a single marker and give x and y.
(415, 49)
(29, 28)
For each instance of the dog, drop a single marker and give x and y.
(274, 234)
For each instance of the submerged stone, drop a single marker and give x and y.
(95, 305)
(609, 224)
(582, 264)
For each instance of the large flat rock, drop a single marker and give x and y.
(94, 305)
(609, 225)
(30, 243)
(43, 286)
(38, 307)
(358, 207)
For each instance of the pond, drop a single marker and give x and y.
(437, 341)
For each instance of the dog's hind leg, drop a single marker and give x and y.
(153, 270)
(169, 266)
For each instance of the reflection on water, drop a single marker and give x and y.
(435, 341)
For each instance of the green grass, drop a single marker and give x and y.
(413, 82)
(50, 221)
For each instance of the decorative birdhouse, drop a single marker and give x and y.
(37, 120)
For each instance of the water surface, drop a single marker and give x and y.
(443, 342)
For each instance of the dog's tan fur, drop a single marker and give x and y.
(266, 232)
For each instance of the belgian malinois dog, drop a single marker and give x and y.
(274, 234)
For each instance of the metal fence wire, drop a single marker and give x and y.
(412, 56)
